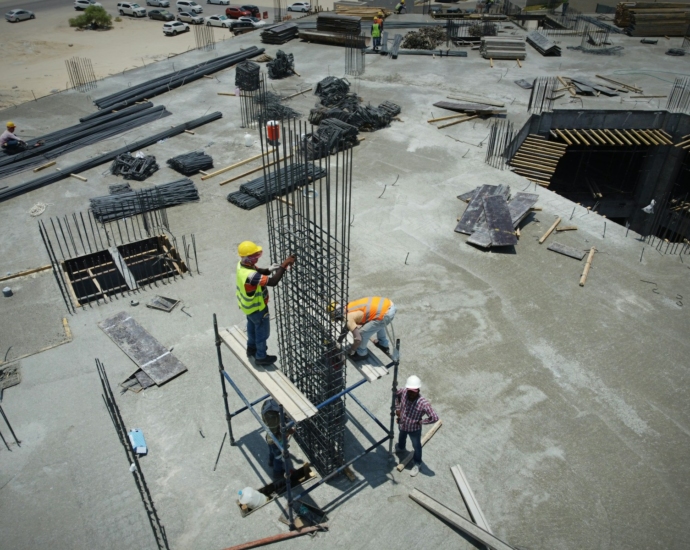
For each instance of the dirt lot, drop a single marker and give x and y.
(34, 52)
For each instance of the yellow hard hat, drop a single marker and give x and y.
(248, 248)
(11, 124)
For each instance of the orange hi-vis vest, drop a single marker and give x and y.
(373, 307)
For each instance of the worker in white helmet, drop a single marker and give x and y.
(412, 411)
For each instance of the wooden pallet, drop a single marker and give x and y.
(295, 403)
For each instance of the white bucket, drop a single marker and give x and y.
(248, 140)
(251, 497)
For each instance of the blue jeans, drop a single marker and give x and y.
(416, 438)
(377, 42)
(258, 331)
(377, 327)
(275, 460)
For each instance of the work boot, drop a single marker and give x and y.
(358, 357)
(268, 360)
(399, 450)
(384, 349)
(251, 352)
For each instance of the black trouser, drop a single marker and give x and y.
(14, 146)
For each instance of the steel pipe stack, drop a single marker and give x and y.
(494, 47)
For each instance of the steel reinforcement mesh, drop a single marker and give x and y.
(312, 222)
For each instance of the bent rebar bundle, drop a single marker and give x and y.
(247, 76)
(80, 135)
(162, 84)
(282, 66)
(130, 203)
(37, 183)
(313, 223)
(133, 167)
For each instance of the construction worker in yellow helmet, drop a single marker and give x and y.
(10, 143)
(252, 297)
(400, 7)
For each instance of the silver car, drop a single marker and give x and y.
(221, 2)
(159, 3)
(189, 17)
(19, 15)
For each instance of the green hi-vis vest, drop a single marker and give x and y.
(248, 304)
(375, 30)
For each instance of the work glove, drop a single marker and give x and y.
(274, 267)
(287, 262)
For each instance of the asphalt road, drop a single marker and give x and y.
(36, 6)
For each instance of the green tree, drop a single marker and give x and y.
(94, 17)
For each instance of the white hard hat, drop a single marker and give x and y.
(413, 383)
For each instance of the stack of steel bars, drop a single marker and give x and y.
(133, 167)
(74, 137)
(280, 33)
(344, 24)
(191, 163)
(123, 205)
(282, 66)
(53, 177)
(162, 84)
(247, 76)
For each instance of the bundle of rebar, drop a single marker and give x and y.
(280, 34)
(247, 76)
(280, 182)
(542, 44)
(191, 163)
(282, 66)
(331, 90)
(124, 205)
(118, 188)
(542, 95)
(494, 47)
(53, 177)
(333, 135)
(653, 18)
(52, 145)
(679, 98)
(344, 24)
(165, 83)
(272, 108)
(133, 167)
(391, 108)
(426, 38)
(244, 201)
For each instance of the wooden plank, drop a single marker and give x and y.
(427, 436)
(482, 101)
(566, 250)
(499, 221)
(462, 107)
(566, 228)
(44, 166)
(549, 230)
(142, 348)
(468, 496)
(560, 134)
(80, 178)
(270, 377)
(474, 210)
(232, 166)
(453, 123)
(24, 273)
(546, 143)
(588, 265)
(622, 136)
(456, 520)
(122, 268)
(541, 168)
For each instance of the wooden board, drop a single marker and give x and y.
(499, 221)
(427, 436)
(466, 197)
(470, 500)
(142, 348)
(464, 107)
(566, 250)
(296, 405)
(372, 368)
(123, 269)
(520, 206)
(456, 520)
(474, 210)
(481, 237)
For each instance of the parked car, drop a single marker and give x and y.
(131, 8)
(81, 5)
(190, 17)
(19, 15)
(235, 12)
(189, 5)
(175, 27)
(255, 21)
(161, 15)
(241, 27)
(254, 10)
(218, 21)
(454, 10)
(159, 3)
(436, 9)
(299, 6)
(221, 2)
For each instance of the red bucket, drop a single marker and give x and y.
(273, 130)
(265, 15)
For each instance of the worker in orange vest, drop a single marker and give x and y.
(378, 20)
(364, 318)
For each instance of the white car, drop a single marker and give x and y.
(218, 21)
(189, 6)
(255, 21)
(299, 6)
(159, 3)
(189, 17)
(83, 4)
(19, 15)
(221, 2)
(131, 8)
(175, 27)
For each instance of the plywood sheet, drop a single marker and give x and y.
(567, 250)
(520, 206)
(499, 222)
(471, 217)
(142, 348)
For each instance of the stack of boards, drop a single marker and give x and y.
(494, 47)
(537, 158)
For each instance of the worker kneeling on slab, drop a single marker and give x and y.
(252, 297)
(411, 408)
(270, 414)
(366, 317)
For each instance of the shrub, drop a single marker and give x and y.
(94, 17)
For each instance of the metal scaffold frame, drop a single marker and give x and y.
(285, 424)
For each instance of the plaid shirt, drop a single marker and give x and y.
(411, 412)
